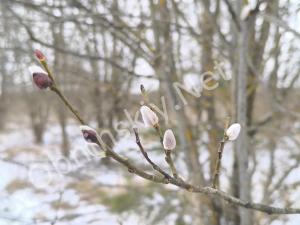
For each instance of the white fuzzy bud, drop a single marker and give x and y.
(253, 4)
(246, 10)
(233, 131)
(169, 140)
(149, 117)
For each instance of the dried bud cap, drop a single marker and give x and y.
(169, 140)
(40, 77)
(149, 117)
(89, 134)
(233, 131)
(39, 55)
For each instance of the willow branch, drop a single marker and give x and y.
(184, 185)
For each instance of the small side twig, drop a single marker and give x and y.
(63, 98)
(168, 157)
(154, 166)
(57, 91)
(233, 15)
(169, 160)
(218, 164)
(45, 65)
(220, 154)
(160, 135)
(59, 201)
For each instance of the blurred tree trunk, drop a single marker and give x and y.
(208, 105)
(164, 66)
(38, 113)
(98, 88)
(3, 90)
(60, 61)
(233, 215)
(249, 67)
(3, 74)
(38, 124)
(243, 107)
(62, 119)
(251, 47)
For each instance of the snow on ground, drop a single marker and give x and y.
(21, 206)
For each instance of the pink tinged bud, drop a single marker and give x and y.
(149, 117)
(89, 134)
(39, 55)
(233, 131)
(42, 80)
(40, 77)
(169, 140)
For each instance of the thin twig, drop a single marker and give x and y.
(233, 15)
(220, 154)
(45, 65)
(63, 98)
(160, 135)
(56, 218)
(55, 89)
(131, 168)
(169, 160)
(168, 157)
(154, 166)
(218, 164)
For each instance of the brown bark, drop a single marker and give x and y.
(59, 61)
(208, 99)
(242, 143)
